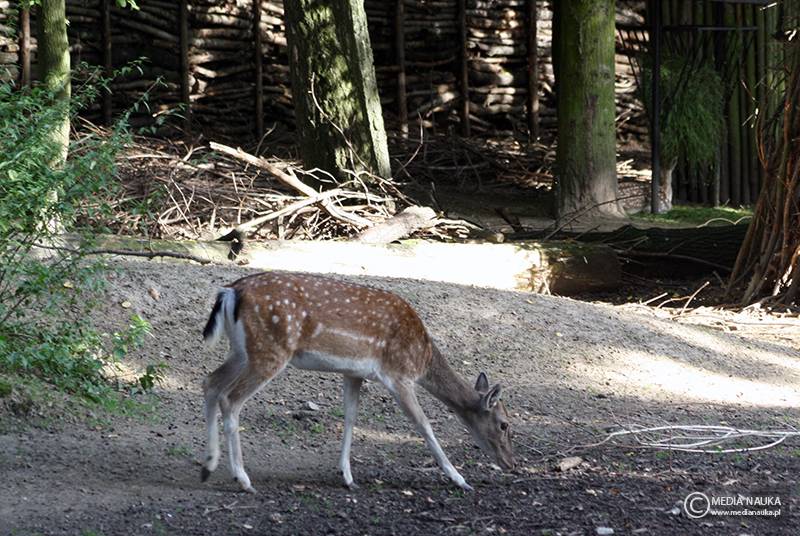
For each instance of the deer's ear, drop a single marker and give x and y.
(482, 384)
(490, 399)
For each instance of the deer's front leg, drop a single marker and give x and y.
(406, 396)
(352, 389)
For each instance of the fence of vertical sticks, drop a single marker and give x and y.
(226, 63)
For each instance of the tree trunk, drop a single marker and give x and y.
(665, 186)
(338, 112)
(586, 153)
(54, 71)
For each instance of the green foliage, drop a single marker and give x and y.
(5, 388)
(692, 114)
(47, 286)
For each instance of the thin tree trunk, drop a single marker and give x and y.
(25, 45)
(463, 77)
(257, 61)
(54, 70)
(183, 18)
(400, 59)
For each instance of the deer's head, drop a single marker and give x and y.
(490, 425)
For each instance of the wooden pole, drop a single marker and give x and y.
(183, 16)
(744, 131)
(257, 59)
(400, 59)
(763, 76)
(533, 72)
(463, 72)
(25, 45)
(108, 67)
(752, 105)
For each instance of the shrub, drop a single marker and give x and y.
(46, 286)
(691, 120)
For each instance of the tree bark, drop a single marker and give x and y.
(54, 71)
(586, 153)
(337, 108)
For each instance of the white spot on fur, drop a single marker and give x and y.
(275, 319)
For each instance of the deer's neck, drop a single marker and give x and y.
(448, 386)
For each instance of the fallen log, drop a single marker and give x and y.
(399, 226)
(546, 267)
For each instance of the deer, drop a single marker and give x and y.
(312, 322)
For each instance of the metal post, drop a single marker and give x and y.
(655, 133)
(533, 73)
(108, 67)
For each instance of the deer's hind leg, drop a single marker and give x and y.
(260, 369)
(216, 384)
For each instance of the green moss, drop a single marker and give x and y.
(698, 215)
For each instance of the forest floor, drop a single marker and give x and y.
(574, 371)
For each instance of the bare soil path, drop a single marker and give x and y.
(574, 370)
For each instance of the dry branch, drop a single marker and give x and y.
(291, 180)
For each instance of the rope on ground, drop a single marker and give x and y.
(707, 439)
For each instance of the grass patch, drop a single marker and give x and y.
(180, 451)
(37, 403)
(698, 215)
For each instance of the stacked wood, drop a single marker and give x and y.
(217, 78)
(9, 45)
(497, 45)
(429, 36)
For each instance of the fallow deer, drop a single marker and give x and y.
(317, 323)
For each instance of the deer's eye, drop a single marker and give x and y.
(503, 426)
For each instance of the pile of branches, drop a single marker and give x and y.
(469, 163)
(173, 190)
(770, 255)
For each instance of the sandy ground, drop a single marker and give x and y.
(574, 371)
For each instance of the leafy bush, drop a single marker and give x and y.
(47, 286)
(691, 121)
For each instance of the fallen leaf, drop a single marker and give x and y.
(126, 304)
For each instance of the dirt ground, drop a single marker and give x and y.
(574, 372)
